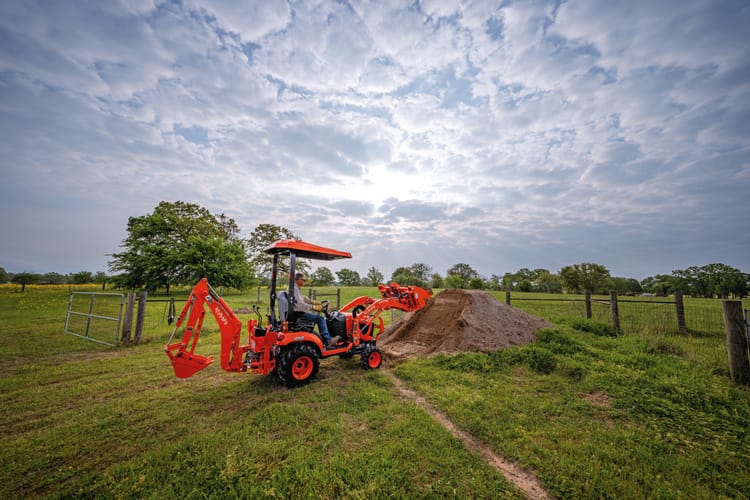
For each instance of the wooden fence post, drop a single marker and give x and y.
(615, 310)
(679, 307)
(127, 322)
(141, 316)
(587, 299)
(507, 297)
(338, 298)
(737, 342)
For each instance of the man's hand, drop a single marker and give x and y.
(317, 306)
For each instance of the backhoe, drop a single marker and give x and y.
(287, 345)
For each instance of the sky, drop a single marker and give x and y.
(500, 134)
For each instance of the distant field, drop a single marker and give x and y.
(647, 414)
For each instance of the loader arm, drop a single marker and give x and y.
(366, 311)
(182, 354)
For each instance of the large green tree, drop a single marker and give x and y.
(545, 281)
(54, 279)
(626, 285)
(526, 280)
(262, 236)
(82, 278)
(436, 281)
(422, 271)
(322, 276)
(661, 284)
(25, 278)
(418, 274)
(403, 276)
(464, 271)
(3, 275)
(454, 281)
(102, 278)
(348, 277)
(179, 243)
(374, 277)
(711, 280)
(586, 276)
(477, 283)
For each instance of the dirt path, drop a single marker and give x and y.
(456, 321)
(521, 479)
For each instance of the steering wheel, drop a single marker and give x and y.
(357, 310)
(324, 305)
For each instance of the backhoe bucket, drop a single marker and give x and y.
(186, 365)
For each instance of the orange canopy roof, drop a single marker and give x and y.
(305, 250)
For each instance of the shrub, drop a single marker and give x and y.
(556, 341)
(539, 359)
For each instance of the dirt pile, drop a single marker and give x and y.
(459, 321)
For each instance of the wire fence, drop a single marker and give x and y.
(697, 332)
(636, 314)
(689, 325)
(650, 316)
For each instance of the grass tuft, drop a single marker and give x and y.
(599, 328)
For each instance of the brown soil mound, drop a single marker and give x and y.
(459, 321)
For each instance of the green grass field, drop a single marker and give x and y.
(643, 415)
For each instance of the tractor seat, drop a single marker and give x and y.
(294, 319)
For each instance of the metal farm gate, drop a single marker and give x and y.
(96, 319)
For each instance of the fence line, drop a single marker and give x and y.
(691, 315)
(703, 317)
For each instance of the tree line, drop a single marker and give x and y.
(712, 280)
(80, 278)
(179, 243)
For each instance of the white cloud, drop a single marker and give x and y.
(641, 34)
(251, 20)
(492, 133)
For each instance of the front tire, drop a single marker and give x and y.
(372, 358)
(298, 365)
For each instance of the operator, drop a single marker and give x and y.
(305, 306)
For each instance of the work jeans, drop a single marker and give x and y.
(321, 322)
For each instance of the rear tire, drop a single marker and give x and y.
(372, 358)
(298, 365)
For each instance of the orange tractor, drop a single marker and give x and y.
(287, 344)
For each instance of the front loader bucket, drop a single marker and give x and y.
(186, 364)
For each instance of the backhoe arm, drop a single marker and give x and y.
(182, 354)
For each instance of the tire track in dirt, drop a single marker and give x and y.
(521, 479)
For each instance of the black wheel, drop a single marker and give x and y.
(372, 358)
(298, 365)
